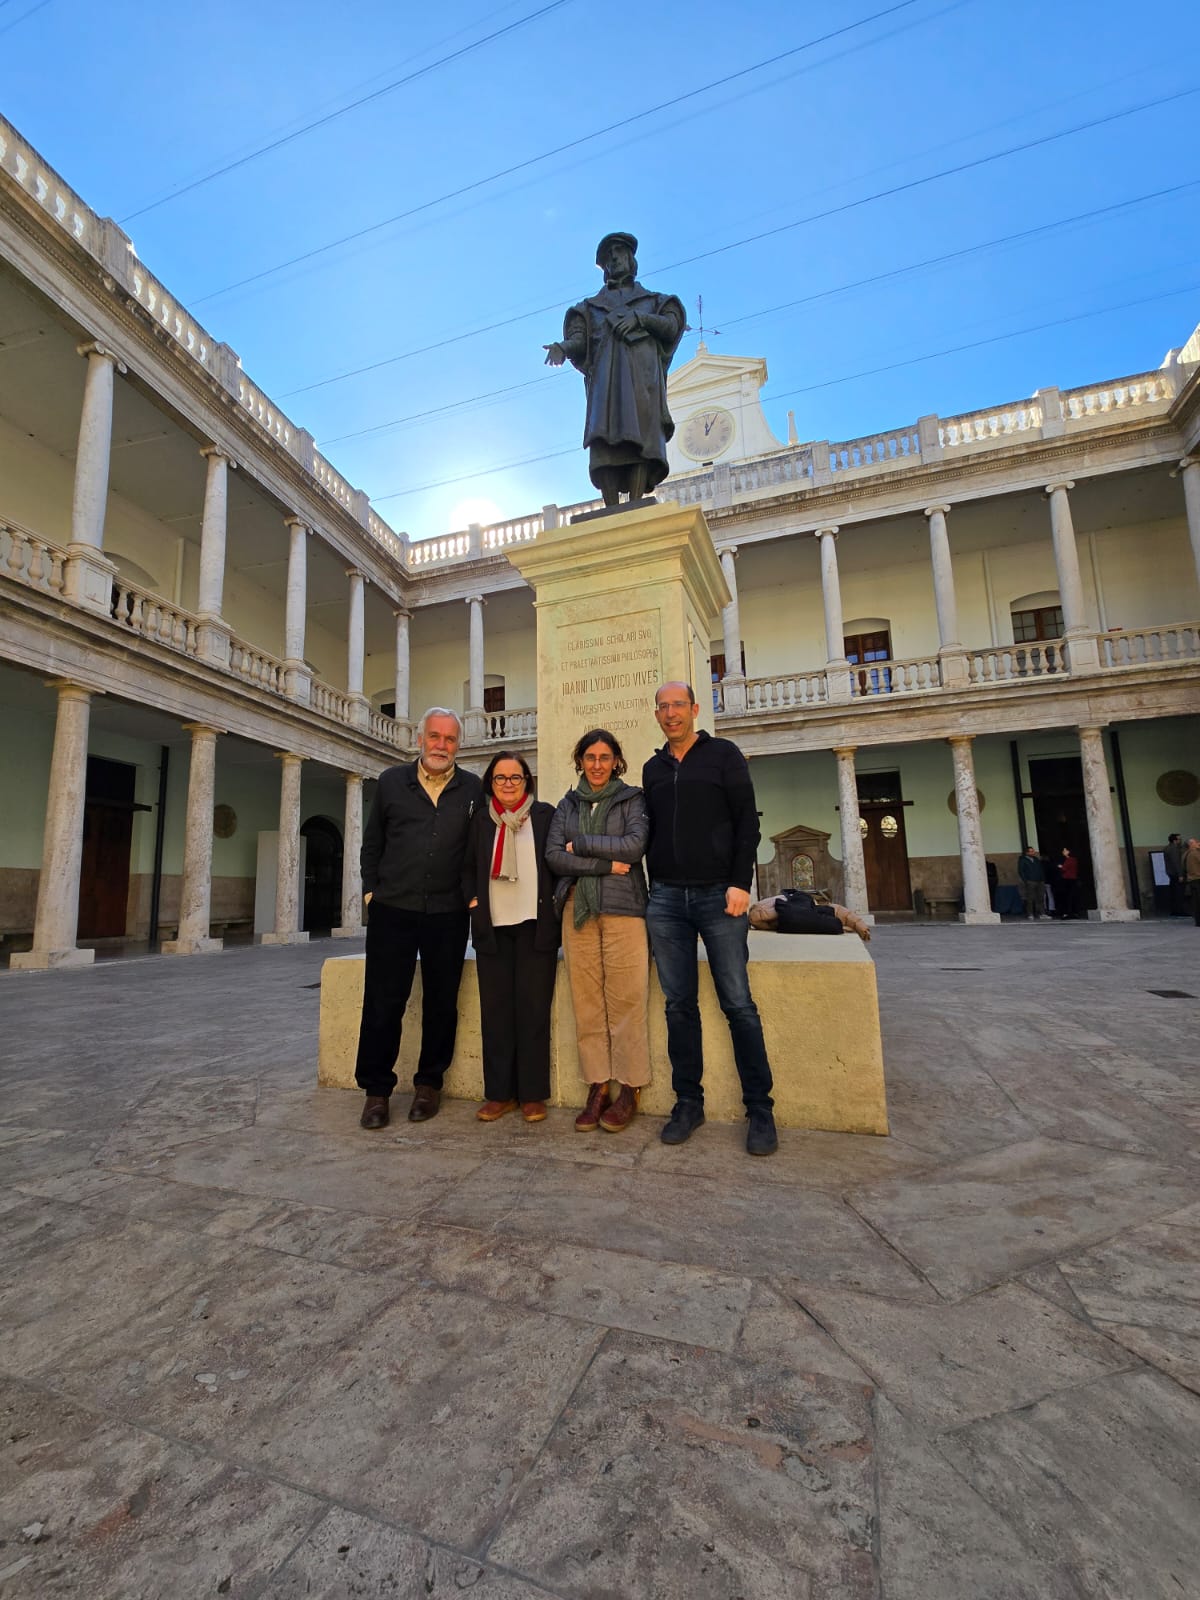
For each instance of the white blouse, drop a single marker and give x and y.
(516, 902)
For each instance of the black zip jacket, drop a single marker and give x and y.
(412, 853)
(703, 820)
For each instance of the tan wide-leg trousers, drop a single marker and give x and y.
(608, 964)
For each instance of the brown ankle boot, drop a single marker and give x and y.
(620, 1114)
(588, 1119)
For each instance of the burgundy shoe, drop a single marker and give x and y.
(588, 1119)
(425, 1103)
(374, 1112)
(620, 1114)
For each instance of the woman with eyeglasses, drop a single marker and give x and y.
(597, 841)
(515, 931)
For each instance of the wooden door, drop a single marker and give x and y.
(886, 856)
(107, 838)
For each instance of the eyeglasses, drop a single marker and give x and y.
(673, 705)
(500, 778)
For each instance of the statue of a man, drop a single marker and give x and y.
(622, 340)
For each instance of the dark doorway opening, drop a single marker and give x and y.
(1060, 818)
(885, 850)
(322, 875)
(107, 840)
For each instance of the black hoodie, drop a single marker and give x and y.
(703, 821)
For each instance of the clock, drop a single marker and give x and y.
(707, 434)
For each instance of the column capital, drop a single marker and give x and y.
(960, 738)
(843, 749)
(474, 599)
(1184, 464)
(1060, 483)
(68, 689)
(932, 510)
(356, 572)
(287, 755)
(402, 613)
(829, 528)
(1091, 727)
(202, 727)
(297, 522)
(92, 347)
(728, 550)
(218, 452)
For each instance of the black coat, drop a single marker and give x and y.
(477, 874)
(412, 851)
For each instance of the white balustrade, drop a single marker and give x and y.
(255, 666)
(772, 471)
(35, 561)
(1137, 647)
(500, 725)
(1143, 389)
(519, 530)
(875, 450)
(1016, 663)
(386, 729)
(782, 693)
(918, 675)
(151, 617)
(329, 702)
(986, 427)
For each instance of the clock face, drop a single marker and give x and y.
(707, 434)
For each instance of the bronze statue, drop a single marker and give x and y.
(622, 340)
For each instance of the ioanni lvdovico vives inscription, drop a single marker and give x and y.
(610, 669)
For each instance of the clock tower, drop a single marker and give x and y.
(718, 414)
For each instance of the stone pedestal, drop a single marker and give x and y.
(624, 602)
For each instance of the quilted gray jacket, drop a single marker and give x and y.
(624, 839)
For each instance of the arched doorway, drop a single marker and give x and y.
(322, 875)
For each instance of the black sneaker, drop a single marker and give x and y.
(761, 1138)
(684, 1120)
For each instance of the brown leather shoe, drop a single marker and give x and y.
(426, 1103)
(493, 1110)
(533, 1110)
(374, 1112)
(620, 1114)
(588, 1119)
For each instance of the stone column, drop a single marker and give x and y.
(1189, 471)
(733, 681)
(977, 901)
(352, 905)
(403, 711)
(837, 668)
(356, 649)
(287, 874)
(195, 897)
(87, 574)
(1112, 904)
(297, 677)
(1082, 651)
(475, 725)
(56, 922)
(854, 870)
(952, 658)
(212, 636)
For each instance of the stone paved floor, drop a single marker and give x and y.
(248, 1350)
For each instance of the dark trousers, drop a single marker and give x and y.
(1176, 897)
(1193, 889)
(674, 918)
(395, 939)
(1068, 898)
(516, 986)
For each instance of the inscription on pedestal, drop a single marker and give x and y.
(609, 669)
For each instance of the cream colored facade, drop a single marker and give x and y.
(198, 611)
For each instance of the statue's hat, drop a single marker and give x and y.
(614, 238)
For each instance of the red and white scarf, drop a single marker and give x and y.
(508, 823)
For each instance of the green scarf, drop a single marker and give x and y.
(594, 806)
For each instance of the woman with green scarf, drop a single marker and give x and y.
(595, 846)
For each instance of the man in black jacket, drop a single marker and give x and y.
(703, 842)
(412, 861)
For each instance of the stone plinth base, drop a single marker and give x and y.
(820, 1018)
(348, 933)
(282, 938)
(192, 947)
(1114, 914)
(979, 919)
(44, 960)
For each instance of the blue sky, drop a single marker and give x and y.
(131, 104)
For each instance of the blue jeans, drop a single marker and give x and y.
(673, 918)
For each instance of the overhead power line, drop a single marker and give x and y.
(829, 383)
(332, 116)
(547, 155)
(799, 222)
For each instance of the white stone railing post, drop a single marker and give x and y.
(87, 573)
(297, 679)
(952, 658)
(733, 680)
(1082, 653)
(360, 708)
(474, 728)
(977, 899)
(352, 832)
(56, 922)
(287, 879)
(195, 896)
(854, 868)
(1111, 902)
(212, 634)
(837, 668)
(403, 707)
